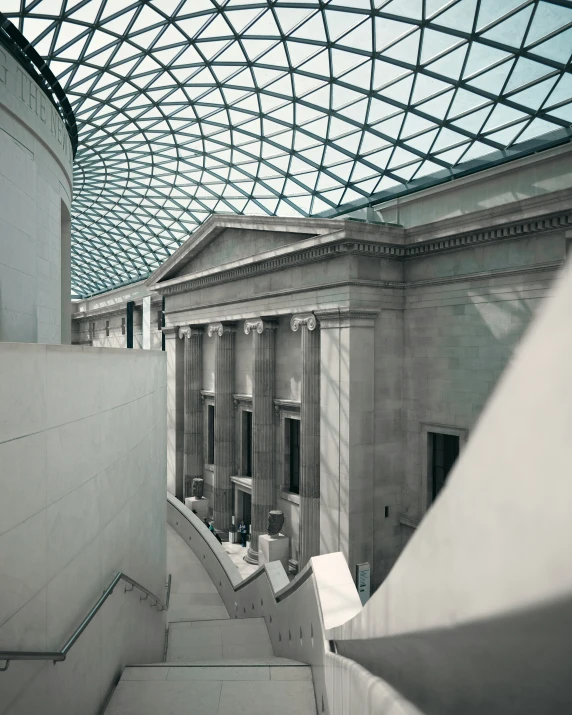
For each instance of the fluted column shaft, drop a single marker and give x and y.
(223, 424)
(309, 535)
(193, 422)
(263, 491)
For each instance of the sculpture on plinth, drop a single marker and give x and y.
(275, 522)
(198, 487)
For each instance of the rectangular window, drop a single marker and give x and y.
(247, 443)
(122, 326)
(210, 434)
(107, 328)
(444, 450)
(159, 319)
(293, 427)
(92, 331)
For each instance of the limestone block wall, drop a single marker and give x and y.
(82, 484)
(35, 196)
(459, 336)
(484, 584)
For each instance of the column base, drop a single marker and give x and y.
(251, 556)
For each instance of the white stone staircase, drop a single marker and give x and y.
(221, 667)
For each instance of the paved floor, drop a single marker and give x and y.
(193, 595)
(215, 665)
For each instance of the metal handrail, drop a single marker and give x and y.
(60, 655)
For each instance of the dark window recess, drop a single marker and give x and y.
(122, 326)
(247, 443)
(294, 429)
(159, 319)
(130, 307)
(107, 328)
(92, 331)
(445, 452)
(210, 434)
(386, 512)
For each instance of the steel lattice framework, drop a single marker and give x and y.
(189, 107)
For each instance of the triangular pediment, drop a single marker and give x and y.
(224, 240)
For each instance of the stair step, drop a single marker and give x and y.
(274, 669)
(218, 640)
(217, 689)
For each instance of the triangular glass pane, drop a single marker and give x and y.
(389, 31)
(548, 18)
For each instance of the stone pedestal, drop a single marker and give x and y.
(273, 548)
(201, 506)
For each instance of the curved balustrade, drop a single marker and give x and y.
(299, 616)
(60, 655)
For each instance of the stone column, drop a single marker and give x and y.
(347, 434)
(309, 437)
(224, 424)
(175, 411)
(193, 406)
(263, 490)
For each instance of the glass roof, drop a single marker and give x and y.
(189, 107)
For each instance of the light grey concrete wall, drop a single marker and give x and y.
(82, 478)
(459, 336)
(35, 178)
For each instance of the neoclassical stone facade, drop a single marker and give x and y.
(333, 369)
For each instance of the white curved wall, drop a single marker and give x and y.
(82, 496)
(35, 181)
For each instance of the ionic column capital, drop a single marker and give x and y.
(259, 325)
(188, 331)
(307, 319)
(220, 329)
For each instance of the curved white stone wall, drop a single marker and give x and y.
(35, 197)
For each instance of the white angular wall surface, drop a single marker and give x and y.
(82, 496)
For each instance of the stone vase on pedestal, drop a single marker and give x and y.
(275, 522)
(198, 487)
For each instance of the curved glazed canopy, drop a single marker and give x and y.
(287, 107)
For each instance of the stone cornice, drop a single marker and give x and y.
(286, 406)
(307, 320)
(345, 245)
(171, 332)
(337, 317)
(217, 223)
(242, 400)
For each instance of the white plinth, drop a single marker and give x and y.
(273, 548)
(201, 506)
